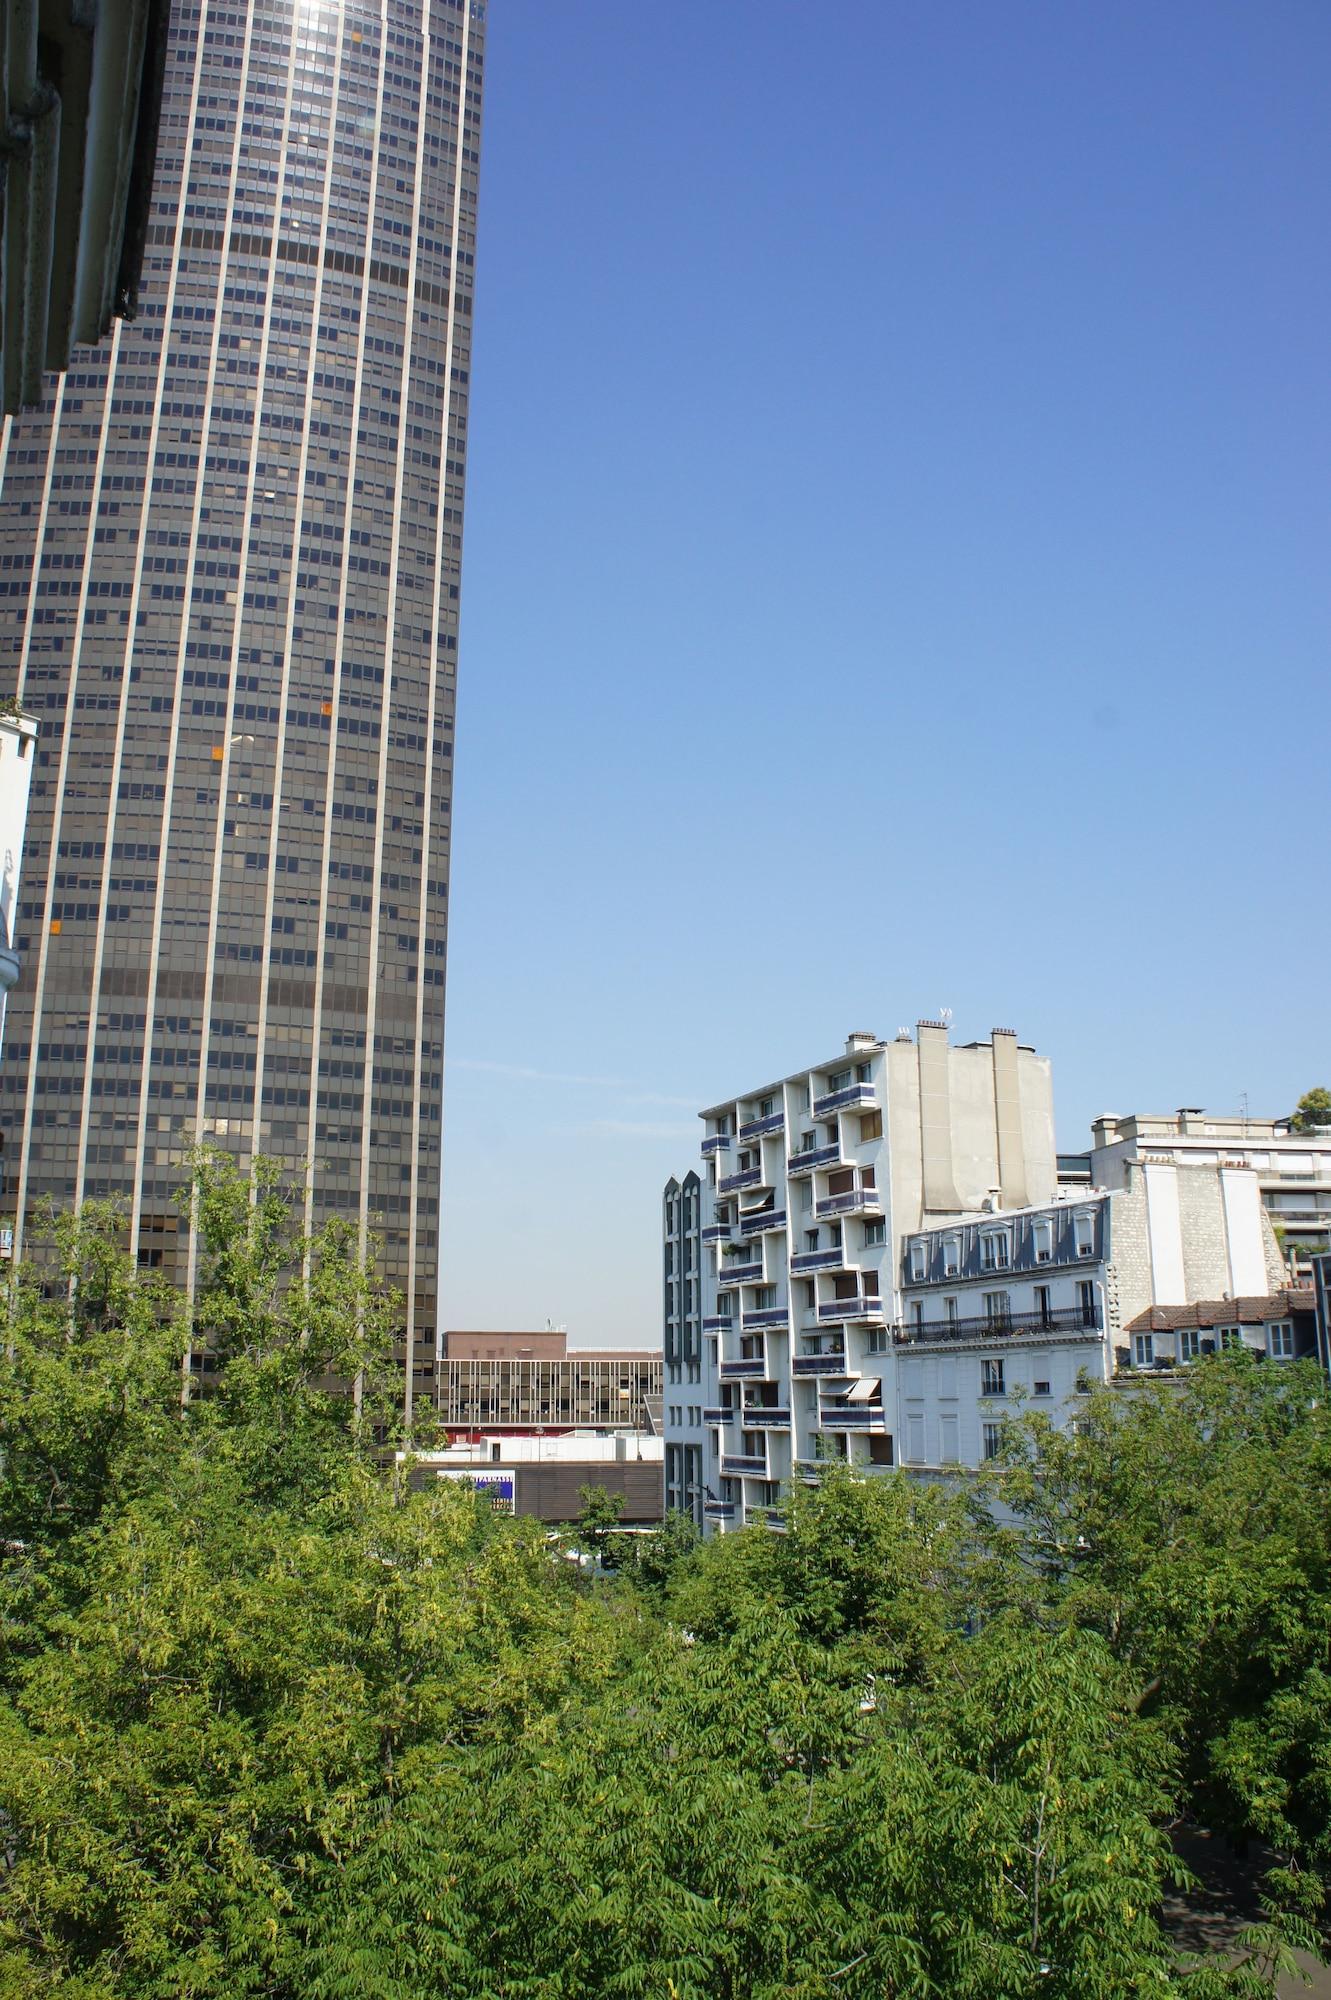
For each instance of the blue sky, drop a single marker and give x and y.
(896, 577)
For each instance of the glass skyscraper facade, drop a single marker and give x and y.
(230, 546)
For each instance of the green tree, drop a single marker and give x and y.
(1314, 1108)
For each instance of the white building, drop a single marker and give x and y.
(1293, 1168)
(810, 1183)
(18, 737)
(1011, 1308)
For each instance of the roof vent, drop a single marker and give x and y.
(858, 1043)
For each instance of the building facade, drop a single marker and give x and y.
(18, 748)
(681, 1317)
(809, 1183)
(229, 590)
(516, 1382)
(1293, 1168)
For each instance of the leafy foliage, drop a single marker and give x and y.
(273, 1722)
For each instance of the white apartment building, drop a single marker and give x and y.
(1293, 1168)
(18, 755)
(809, 1184)
(1005, 1309)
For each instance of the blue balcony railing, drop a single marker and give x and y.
(818, 1260)
(740, 1274)
(815, 1156)
(854, 1417)
(717, 1232)
(768, 1316)
(819, 1364)
(851, 1098)
(758, 1128)
(743, 1464)
(855, 1201)
(719, 1510)
(763, 1417)
(749, 1177)
(716, 1142)
(761, 1219)
(719, 1413)
(718, 1322)
(752, 1369)
(862, 1307)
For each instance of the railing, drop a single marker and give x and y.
(845, 1099)
(855, 1417)
(739, 1274)
(819, 1364)
(718, 1323)
(814, 1156)
(718, 1414)
(719, 1510)
(717, 1232)
(1084, 1320)
(850, 1203)
(768, 1316)
(763, 1416)
(716, 1142)
(818, 1260)
(760, 1219)
(749, 1177)
(862, 1307)
(752, 1369)
(758, 1128)
(740, 1465)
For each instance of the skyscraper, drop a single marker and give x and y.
(230, 547)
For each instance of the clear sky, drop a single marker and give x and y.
(896, 577)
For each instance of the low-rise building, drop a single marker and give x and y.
(543, 1477)
(529, 1381)
(1281, 1327)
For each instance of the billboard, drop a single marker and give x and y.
(500, 1488)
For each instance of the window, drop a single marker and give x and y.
(1042, 1239)
(994, 1250)
(869, 1282)
(806, 1142)
(1280, 1341)
(871, 1126)
(874, 1232)
(1084, 1230)
(1042, 1306)
(991, 1377)
(998, 1308)
(764, 1298)
(767, 1107)
(917, 1315)
(806, 1198)
(811, 1239)
(1229, 1338)
(992, 1437)
(810, 1294)
(950, 1311)
(868, 1177)
(919, 1261)
(1143, 1350)
(1189, 1343)
(837, 1080)
(725, 1304)
(1042, 1389)
(863, 1071)
(951, 1256)
(1090, 1315)
(745, 1162)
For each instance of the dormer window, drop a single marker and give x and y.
(951, 1256)
(919, 1262)
(995, 1250)
(1084, 1232)
(1042, 1239)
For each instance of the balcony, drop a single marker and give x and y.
(1074, 1322)
(863, 1307)
(739, 1274)
(760, 1219)
(747, 1178)
(804, 1365)
(715, 1142)
(853, 1417)
(758, 1128)
(818, 1260)
(753, 1368)
(816, 1156)
(744, 1465)
(853, 1097)
(718, 1510)
(856, 1201)
(718, 1414)
(717, 1232)
(763, 1417)
(768, 1316)
(718, 1323)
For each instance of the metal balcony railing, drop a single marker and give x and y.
(1083, 1321)
(758, 1128)
(855, 1201)
(716, 1142)
(743, 1465)
(864, 1306)
(849, 1098)
(728, 1274)
(854, 1417)
(763, 1417)
(769, 1316)
(819, 1364)
(753, 1368)
(718, 1414)
(811, 1157)
(746, 1178)
(818, 1260)
(760, 1219)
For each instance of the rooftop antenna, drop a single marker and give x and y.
(945, 1016)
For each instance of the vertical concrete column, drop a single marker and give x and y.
(1007, 1120)
(934, 1059)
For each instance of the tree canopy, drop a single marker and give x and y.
(1313, 1109)
(274, 1722)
